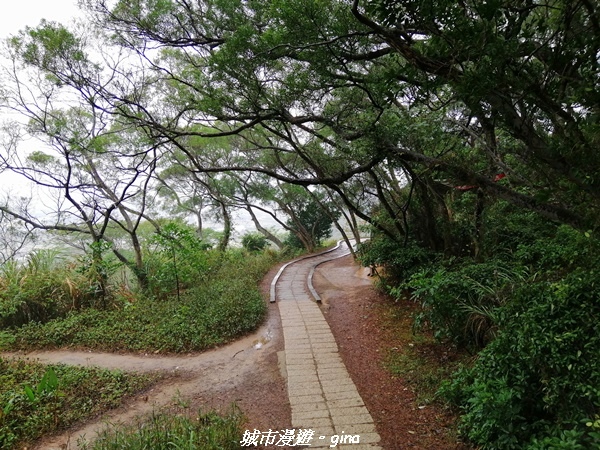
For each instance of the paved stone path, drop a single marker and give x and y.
(322, 395)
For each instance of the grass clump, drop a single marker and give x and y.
(36, 399)
(220, 307)
(163, 431)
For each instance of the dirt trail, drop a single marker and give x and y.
(239, 372)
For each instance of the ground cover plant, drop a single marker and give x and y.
(162, 431)
(223, 304)
(36, 399)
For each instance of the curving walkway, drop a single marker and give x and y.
(322, 395)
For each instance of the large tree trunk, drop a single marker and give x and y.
(266, 233)
(224, 242)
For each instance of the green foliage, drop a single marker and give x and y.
(179, 260)
(540, 376)
(37, 399)
(254, 242)
(460, 301)
(97, 267)
(536, 384)
(223, 307)
(399, 262)
(309, 223)
(162, 431)
(41, 289)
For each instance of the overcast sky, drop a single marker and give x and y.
(15, 16)
(18, 14)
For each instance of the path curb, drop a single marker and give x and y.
(273, 293)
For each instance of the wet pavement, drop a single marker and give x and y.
(322, 395)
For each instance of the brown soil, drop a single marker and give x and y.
(359, 317)
(247, 372)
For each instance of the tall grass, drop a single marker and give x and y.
(168, 431)
(220, 308)
(43, 288)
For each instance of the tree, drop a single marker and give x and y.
(96, 169)
(309, 222)
(324, 93)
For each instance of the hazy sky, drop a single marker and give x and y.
(15, 16)
(18, 14)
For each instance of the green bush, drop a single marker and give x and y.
(460, 299)
(43, 288)
(254, 242)
(399, 262)
(225, 306)
(177, 260)
(538, 382)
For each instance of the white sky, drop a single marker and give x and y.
(16, 15)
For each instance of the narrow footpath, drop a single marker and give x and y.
(322, 395)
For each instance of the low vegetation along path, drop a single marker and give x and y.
(322, 395)
(290, 373)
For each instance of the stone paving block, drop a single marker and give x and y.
(326, 348)
(295, 336)
(313, 390)
(304, 399)
(321, 337)
(317, 406)
(328, 357)
(341, 421)
(355, 401)
(333, 374)
(337, 384)
(343, 395)
(356, 428)
(316, 323)
(296, 328)
(304, 387)
(348, 411)
(298, 348)
(300, 371)
(309, 416)
(324, 365)
(300, 359)
(322, 354)
(322, 340)
(313, 317)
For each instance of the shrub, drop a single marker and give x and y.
(254, 242)
(399, 262)
(460, 300)
(44, 288)
(37, 399)
(538, 383)
(179, 259)
(225, 306)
